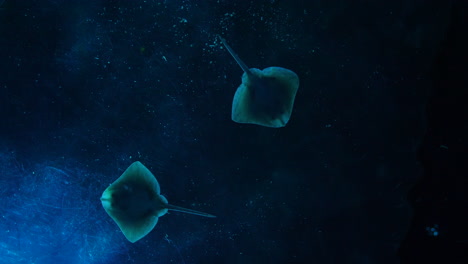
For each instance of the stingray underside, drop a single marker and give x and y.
(265, 97)
(133, 202)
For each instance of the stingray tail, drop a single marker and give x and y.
(234, 55)
(188, 211)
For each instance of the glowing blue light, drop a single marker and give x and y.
(432, 231)
(48, 219)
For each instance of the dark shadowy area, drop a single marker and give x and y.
(371, 167)
(438, 232)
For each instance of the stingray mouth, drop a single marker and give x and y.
(106, 203)
(105, 199)
(106, 196)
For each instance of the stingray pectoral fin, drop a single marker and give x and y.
(188, 211)
(136, 231)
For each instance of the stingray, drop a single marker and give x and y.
(265, 97)
(134, 202)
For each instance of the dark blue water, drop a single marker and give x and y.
(88, 87)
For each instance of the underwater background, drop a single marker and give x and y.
(88, 87)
